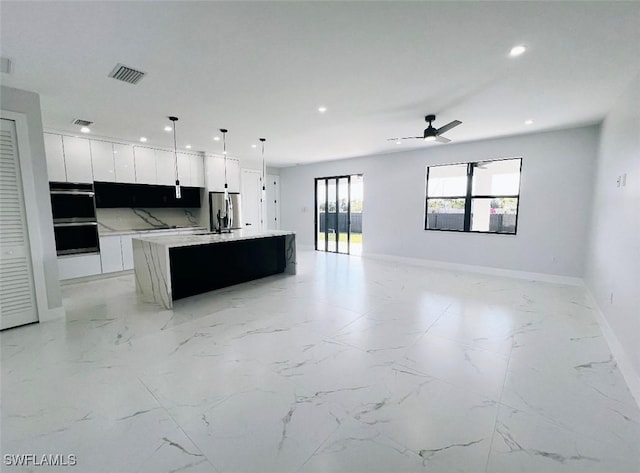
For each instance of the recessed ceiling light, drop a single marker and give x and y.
(188, 146)
(216, 138)
(398, 142)
(517, 50)
(143, 139)
(85, 129)
(528, 122)
(322, 109)
(167, 128)
(254, 146)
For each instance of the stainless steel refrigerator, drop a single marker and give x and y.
(224, 214)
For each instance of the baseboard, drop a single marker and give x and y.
(48, 315)
(95, 277)
(630, 375)
(509, 273)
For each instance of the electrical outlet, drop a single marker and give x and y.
(618, 181)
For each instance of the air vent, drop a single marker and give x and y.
(6, 65)
(126, 74)
(82, 122)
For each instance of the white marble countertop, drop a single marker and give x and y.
(174, 241)
(104, 232)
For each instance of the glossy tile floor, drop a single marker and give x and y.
(353, 365)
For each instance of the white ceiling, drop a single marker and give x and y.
(263, 69)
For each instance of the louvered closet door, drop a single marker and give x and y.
(17, 294)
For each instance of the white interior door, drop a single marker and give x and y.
(273, 202)
(17, 291)
(251, 199)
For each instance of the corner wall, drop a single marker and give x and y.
(555, 201)
(28, 103)
(613, 256)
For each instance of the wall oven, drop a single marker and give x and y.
(74, 218)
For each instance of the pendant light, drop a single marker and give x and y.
(175, 155)
(263, 166)
(263, 197)
(224, 152)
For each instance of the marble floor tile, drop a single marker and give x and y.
(352, 365)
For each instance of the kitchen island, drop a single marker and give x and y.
(172, 267)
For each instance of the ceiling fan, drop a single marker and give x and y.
(431, 133)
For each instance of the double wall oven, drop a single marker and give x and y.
(74, 218)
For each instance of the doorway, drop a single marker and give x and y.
(338, 214)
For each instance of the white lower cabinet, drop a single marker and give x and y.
(111, 254)
(77, 266)
(127, 251)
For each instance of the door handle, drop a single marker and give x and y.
(247, 224)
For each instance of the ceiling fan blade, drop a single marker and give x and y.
(448, 126)
(442, 139)
(413, 138)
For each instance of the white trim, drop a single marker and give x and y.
(31, 205)
(509, 273)
(630, 375)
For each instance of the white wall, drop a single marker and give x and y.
(557, 174)
(613, 258)
(28, 103)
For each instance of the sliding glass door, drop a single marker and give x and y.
(338, 214)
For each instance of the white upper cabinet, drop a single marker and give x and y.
(184, 169)
(55, 157)
(216, 174)
(233, 175)
(145, 160)
(124, 163)
(102, 161)
(77, 159)
(166, 168)
(196, 163)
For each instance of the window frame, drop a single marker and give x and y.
(468, 198)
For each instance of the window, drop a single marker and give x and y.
(474, 197)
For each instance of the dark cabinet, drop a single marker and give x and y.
(114, 195)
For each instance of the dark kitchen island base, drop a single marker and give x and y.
(202, 268)
(168, 268)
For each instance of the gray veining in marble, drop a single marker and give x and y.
(351, 365)
(152, 265)
(125, 220)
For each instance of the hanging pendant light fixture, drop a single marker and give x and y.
(263, 197)
(264, 169)
(175, 156)
(227, 219)
(224, 152)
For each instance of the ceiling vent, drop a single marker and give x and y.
(82, 122)
(6, 65)
(126, 74)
